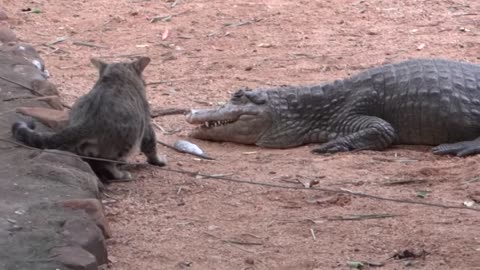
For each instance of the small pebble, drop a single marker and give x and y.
(249, 261)
(7, 35)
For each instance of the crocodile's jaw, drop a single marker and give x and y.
(231, 123)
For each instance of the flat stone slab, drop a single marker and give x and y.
(50, 215)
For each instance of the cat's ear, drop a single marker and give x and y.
(99, 64)
(140, 64)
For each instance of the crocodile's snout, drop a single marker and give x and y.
(190, 115)
(241, 123)
(200, 116)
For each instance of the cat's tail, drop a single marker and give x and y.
(25, 133)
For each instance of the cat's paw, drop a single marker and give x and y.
(157, 160)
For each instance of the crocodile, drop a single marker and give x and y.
(426, 101)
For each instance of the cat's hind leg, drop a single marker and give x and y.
(108, 171)
(149, 147)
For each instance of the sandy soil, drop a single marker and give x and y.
(166, 220)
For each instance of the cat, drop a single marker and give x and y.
(110, 122)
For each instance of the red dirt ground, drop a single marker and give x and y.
(165, 220)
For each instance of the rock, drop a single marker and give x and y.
(86, 234)
(52, 118)
(27, 51)
(75, 257)
(94, 209)
(250, 261)
(33, 229)
(31, 60)
(7, 35)
(28, 71)
(45, 88)
(23, 50)
(53, 101)
(74, 171)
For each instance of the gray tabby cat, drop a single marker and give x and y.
(109, 122)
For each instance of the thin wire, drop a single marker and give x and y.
(228, 179)
(19, 84)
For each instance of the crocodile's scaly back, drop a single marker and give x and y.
(299, 113)
(418, 101)
(427, 101)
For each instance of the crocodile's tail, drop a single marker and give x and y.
(25, 133)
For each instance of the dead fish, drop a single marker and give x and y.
(190, 148)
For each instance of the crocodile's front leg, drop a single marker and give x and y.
(360, 133)
(460, 149)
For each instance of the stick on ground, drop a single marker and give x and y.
(89, 44)
(168, 111)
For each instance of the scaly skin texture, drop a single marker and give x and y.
(419, 101)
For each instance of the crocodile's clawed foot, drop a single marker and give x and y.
(330, 148)
(460, 149)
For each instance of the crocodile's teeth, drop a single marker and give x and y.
(217, 123)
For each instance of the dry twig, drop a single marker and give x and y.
(89, 44)
(242, 243)
(168, 111)
(19, 97)
(176, 2)
(361, 217)
(313, 234)
(405, 182)
(403, 160)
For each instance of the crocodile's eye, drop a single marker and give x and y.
(256, 97)
(238, 97)
(238, 94)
